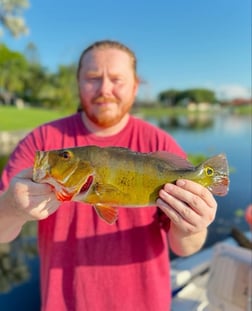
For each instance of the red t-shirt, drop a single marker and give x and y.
(86, 264)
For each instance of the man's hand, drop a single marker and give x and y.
(23, 201)
(31, 200)
(191, 209)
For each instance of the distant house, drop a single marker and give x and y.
(7, 98)
(10, 99)
(237, 102)
(191, 106)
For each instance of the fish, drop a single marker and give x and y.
(112, 177)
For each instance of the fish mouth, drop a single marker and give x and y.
(40, 168)
(39, 175)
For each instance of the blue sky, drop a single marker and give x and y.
(179, 44)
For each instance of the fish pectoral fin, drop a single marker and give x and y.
(102, 189)
(106, 212)
(63, 195)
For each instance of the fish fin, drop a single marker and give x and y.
(219, 164)
(102, 189)
(220, 187)
(63, 195)
(173, 160)
(108, 213)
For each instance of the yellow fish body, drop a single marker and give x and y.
(113, 176)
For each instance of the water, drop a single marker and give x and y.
(213, 134)
(206, 134)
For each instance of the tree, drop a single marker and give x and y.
(10, 17)
(196, 96)
(66, 87)
(24, 76)
(35, 79)
(174, 97)
(13, 67)
(31, 53)
(58, 90)
(168, 97)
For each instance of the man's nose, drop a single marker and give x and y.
(106, 86)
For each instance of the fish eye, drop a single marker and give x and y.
(209, 171)
(65, 154)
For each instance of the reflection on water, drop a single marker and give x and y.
(19, 272)
(202, 133)
(19, 266)
(13, 269)
(192, 121)
(14, 257)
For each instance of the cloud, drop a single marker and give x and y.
(232, 91)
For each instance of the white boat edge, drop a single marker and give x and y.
(218, 278)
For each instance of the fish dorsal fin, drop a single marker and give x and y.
(173, 160)
(108, 213)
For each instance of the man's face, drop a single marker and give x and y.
(107, 85)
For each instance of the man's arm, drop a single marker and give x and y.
(10, 223)
(190, 208)
(24, 201)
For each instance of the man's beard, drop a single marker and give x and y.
(106, 119)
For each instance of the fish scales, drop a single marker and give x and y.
(113, 176)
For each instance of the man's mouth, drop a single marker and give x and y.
(105, 100)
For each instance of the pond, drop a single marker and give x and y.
(208, 134)
(211, 134)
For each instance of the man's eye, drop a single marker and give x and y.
(92, 78)
(117, 80)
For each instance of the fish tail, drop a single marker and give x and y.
(217, 167)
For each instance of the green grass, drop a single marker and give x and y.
(12, 118)
(159, 111)
(243, 110)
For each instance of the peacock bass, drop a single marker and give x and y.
(114, 176)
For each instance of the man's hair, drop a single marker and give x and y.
(104, 44)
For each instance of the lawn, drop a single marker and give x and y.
(12, 118)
